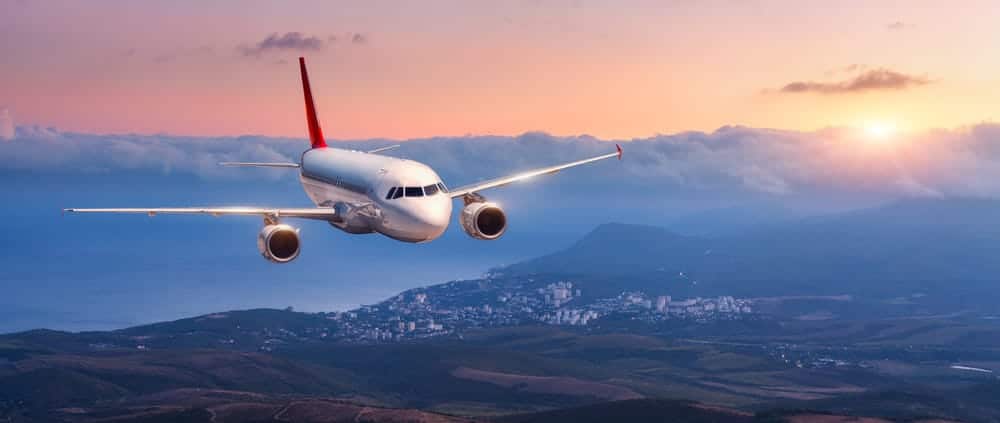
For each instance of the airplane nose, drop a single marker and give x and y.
(435, 218)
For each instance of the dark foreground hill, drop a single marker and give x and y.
(222, 406)
(636, 411)
(191, 370)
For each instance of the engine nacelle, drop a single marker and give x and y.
(279, 243)
(483, 220)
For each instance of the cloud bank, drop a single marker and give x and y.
(296, 42)
(869, 80)
(732, 161)
(6, 125)
(289, 41)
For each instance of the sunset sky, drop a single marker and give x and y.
(739, 114)
(613, 69)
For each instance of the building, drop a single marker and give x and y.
(662, 302)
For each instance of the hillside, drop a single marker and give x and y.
(636, 411)
(932, 247)
(227, 406)
(188, 369)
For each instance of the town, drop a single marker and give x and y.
(496, 301)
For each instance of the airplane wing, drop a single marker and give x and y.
(499, 182)
(318, 213)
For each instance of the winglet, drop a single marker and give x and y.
(315, 133)
(619, 147)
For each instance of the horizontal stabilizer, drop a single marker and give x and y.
(258, 164)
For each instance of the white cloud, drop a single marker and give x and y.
(6, 125)
(729, 161)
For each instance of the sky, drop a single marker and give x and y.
(734, 115)
(386, 69)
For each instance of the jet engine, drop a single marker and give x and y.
(483, 220)
(279, 243)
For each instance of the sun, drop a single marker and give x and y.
(880, 131)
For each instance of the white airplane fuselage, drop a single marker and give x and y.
(357, 184)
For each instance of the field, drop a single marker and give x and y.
(893, 368)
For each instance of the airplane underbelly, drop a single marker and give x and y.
(403, 226)
(395, 228)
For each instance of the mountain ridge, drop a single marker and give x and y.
(935, 245)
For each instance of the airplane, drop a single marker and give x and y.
(362, 192)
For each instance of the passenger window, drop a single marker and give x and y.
(442, 187)
(414, 192)
(391, 191)
(430, 190)
(399, 193)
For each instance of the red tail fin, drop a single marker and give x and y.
(315, 132)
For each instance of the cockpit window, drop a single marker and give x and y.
(433, 189)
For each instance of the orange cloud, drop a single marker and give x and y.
(872, 80)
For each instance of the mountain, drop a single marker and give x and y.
(929, 247)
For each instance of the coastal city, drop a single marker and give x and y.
(450, 308)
